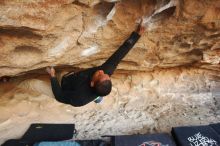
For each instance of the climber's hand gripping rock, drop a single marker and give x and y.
(51, 71)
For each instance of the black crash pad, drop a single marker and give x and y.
(15, 142)
(48, 132)
(216, 127)
(142, 140)
(92, 142)
(195, 136)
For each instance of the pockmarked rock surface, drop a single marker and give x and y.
(170, 78)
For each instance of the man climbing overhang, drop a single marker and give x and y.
(80, 88)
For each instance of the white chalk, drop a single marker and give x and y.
(99, 21)
(90, 51)
(111, 14)
(60, 48)
(169, 5)
(149, 20)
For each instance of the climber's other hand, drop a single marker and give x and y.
(51, 71)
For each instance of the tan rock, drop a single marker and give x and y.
(152, 90)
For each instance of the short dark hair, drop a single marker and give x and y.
(103, 88)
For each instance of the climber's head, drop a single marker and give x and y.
(101, 82)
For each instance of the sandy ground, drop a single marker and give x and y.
(139, 103)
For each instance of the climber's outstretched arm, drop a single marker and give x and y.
(111, 64)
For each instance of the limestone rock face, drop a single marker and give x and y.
(35, 34)
(170, 78)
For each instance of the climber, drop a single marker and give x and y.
(80, 88)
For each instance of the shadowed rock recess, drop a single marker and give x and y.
(170, 78)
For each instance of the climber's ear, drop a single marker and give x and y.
(92, 83)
